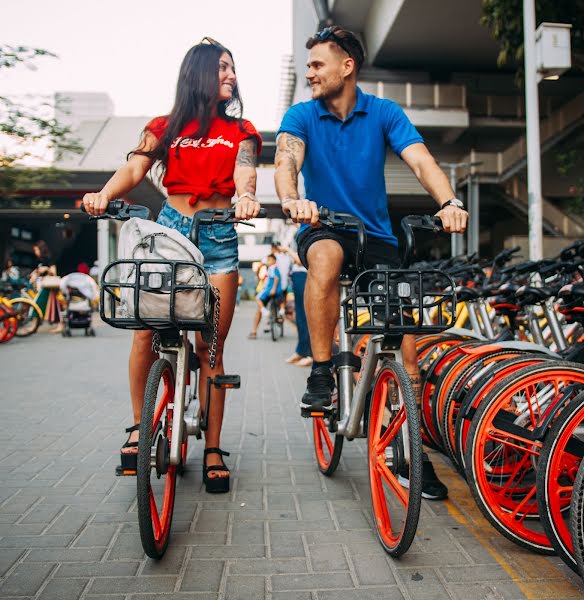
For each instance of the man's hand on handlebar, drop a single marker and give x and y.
(95, 203)
(301, 211)
(453, 219)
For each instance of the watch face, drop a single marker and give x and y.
(456, 202)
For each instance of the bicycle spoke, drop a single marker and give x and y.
(392, 482)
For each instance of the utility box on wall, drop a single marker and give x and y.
(552, 49)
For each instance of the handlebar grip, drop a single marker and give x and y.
(262, 214)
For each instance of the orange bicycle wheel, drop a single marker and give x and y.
(156, 477)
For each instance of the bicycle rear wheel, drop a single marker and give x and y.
(28, 315)
(395, 458)
(156, 478)
(558, 464)
(577, 519)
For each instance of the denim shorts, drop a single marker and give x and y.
(218, 243)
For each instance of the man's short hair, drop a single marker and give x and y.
(346, 40)
(272, 256)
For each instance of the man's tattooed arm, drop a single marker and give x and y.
(289, 159)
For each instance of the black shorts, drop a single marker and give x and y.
(377, 251)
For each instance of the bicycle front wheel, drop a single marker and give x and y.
(274, 325)
(395, 458)
(156, 477)
(28, 315)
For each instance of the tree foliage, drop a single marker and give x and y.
(29, 132)
(504, 18)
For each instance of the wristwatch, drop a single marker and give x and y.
(453, 202)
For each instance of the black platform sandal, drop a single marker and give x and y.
(215, 485)
(129, 464)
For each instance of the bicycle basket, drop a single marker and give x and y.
(155, 294)
(398, 301)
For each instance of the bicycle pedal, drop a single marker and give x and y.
(121, 472)
(227, 381)
(309, 412)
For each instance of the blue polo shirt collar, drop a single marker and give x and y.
(360, 107)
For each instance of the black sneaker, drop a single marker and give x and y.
(319, 389)
(432, 487)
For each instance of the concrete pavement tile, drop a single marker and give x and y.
(66, 555)
(97, 569)
(373, 570)
(268, 566)
(327, 557)
(37, 541)
(369, 593)
(202, 576)
(61, 589)
(229, 551)
(8, 556)
(131, 585)
(170, 564)
(240, 587)
(25, 580)
(333, 581)
(286, 545)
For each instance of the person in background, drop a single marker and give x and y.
(10, 272)
(302, 356)
(271, 287)
(45, 265)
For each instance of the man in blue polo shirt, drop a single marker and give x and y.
(339, 140)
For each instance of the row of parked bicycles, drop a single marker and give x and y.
(20, 314)
(503, 395)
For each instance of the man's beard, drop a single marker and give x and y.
(333, 90)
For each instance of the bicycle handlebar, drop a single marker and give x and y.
(345, 220)
(123, 211)
(211, 216)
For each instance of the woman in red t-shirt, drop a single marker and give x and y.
(206, 156)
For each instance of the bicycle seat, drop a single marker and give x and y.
(466, 294)
(532, 295)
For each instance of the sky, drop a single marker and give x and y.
(132, 49)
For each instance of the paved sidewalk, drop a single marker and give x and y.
(68, 526)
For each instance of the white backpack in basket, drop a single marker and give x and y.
(147, 240)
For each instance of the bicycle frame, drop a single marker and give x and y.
(352, 400)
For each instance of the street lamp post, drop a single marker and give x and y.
(534, 206)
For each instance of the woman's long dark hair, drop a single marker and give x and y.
(197, 95)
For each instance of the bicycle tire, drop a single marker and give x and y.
(577, 519)
(473, 399)
(28, 315)
(556, 471)
(327, 450)
(8, 323)
(273, 320)
(507, 508)
(388, 419)
(155, 526)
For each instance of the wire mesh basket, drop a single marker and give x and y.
(156, 294)
(398, 301)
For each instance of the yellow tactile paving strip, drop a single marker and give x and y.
(535, 575)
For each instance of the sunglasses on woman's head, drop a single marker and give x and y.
(211, 42)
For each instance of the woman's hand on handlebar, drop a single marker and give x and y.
(246, 209)
(95, 203)
(453, 219)
(301, 211)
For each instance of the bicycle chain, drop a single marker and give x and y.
(215, 337)
(156, 342)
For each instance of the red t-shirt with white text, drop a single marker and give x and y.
(204, 165)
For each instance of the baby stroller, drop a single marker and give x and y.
(79, 290)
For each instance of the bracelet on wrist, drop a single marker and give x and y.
(250, 195)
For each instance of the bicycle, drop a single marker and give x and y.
(381, 404)
(275, 319)
(171, 411)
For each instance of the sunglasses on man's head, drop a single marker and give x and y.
(328, 35)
